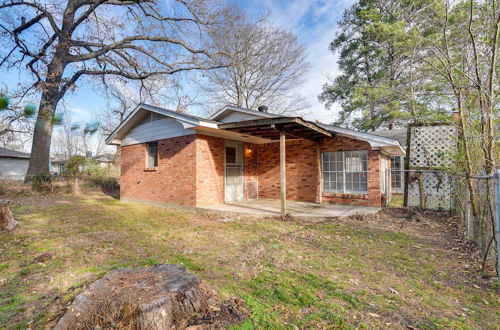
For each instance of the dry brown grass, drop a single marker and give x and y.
(352, 272)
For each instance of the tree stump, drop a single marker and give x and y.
(164, 296)
(7, 221)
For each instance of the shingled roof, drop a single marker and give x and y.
(4, 152)
(395, 134)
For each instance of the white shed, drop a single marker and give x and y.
(13, 164)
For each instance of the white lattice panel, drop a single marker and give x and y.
(437, 190)
(430, 146)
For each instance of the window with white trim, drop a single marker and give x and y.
(345, 172)
(397, 172)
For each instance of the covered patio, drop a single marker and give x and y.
(280, 129)
(271, 207)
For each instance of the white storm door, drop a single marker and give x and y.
(233, 174)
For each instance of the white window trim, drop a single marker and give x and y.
(400, 174)
(344, 191)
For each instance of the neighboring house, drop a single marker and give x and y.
(397, 162)
(13, 164)
(104, 160)
(177, 159)
(57, 165)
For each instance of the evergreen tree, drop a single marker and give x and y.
(379, 82)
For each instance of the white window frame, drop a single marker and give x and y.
(343, 190)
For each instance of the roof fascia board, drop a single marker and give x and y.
(370, 138)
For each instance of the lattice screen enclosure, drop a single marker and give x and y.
(430, 150)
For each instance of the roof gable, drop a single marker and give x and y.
(232, 113)
(140, 113)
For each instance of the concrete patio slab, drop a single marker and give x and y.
(270, 207)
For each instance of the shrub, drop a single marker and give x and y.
(42, 182)
(94, 169)
(107, 183)
(76, 165)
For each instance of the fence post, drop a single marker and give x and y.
(467, 215)
(496, 179)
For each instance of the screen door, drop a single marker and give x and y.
(233, 171)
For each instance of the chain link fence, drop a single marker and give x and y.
(439, 190)
(478, 212)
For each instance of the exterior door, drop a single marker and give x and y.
(233, 177)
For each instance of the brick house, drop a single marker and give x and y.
(238, 154)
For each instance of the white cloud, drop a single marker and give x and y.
(78, 111)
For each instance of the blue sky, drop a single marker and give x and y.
(313, 21)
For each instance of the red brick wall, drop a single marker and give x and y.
(173, 181)
(301, 170)
(191, 171)
(209, 170)
(373, 198)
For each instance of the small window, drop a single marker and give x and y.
(230, 155)
(152, 157)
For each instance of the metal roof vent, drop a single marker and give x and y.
(262, 108)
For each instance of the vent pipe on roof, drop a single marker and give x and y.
(262, 108)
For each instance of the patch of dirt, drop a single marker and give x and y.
(221, 315)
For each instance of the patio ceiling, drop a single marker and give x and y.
(270, 128)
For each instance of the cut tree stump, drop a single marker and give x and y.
(7, 221)
(164, 296)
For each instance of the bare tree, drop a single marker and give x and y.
(16, 118)
(61, 42)
(264, 65)
(123, 96)
(74, 138)
(65, 143)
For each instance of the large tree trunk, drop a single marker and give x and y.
(42, 134)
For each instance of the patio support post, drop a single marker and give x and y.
(319, 198)
(283, 171)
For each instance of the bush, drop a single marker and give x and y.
(107, 183)
(94, 169)
(42, 182)
(76, 165)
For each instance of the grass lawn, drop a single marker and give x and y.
(359, 272)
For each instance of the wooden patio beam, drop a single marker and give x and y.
(297, 122)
